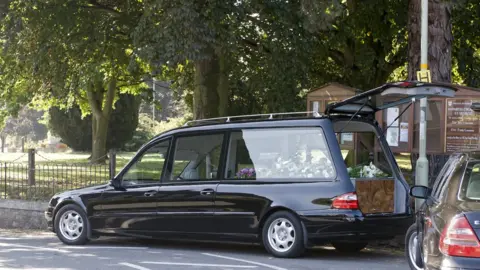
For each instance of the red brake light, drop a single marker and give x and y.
(459, 239)
(405, 84)
(346, 201)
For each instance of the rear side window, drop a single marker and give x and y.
(279, 153)
(361, 150)
(471, 185)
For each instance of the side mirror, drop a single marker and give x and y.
(420, 192)
(475, 107)
(115, 183)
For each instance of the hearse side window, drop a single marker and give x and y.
(279, 153)
(148, 167)
(197, 157)
(361, 150)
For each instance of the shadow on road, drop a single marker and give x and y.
(247, 249)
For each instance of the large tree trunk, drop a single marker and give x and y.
(101, 111)
(3, 138)
(99, 139)
(440, 39)
(210, 97)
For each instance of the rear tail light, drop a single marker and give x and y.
(346, 201)
(459, 239)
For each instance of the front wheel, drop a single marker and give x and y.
(282, 235)
(71, 225)
(412, 248)
(349, 247)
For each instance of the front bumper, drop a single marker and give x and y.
(49, 217)
(325, 226)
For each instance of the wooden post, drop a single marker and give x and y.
(31, 167)
(113, 163)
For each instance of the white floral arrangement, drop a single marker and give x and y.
(367, 171)
(299, 168)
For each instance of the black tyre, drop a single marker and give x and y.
(71, 225)
(349, 247)
(282, 235)
(412, 248)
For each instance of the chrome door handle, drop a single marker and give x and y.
(150, 193)
(207, 192)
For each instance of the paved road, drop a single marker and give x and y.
(42, 251)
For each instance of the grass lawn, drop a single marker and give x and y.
(74, 157)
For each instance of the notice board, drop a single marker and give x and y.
(462, 132)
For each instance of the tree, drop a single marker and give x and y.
(61, 53)
(440, 39)
(25, 125)
(362, 44)
(76, 131)
(466, 45)
(256, 48)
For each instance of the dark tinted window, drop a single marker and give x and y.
(279, 153)
(197, 157)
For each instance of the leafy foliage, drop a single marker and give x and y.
(76, 131)
(466, 46)
(65, 53)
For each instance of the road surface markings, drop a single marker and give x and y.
(9, 238)
(134, 266)
(104, 247)
(245, 261)
(33, 248)
(82, 255)
(201, 264)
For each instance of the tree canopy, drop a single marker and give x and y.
(226, 56)
(65, 53)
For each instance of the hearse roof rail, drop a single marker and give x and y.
(253, 117)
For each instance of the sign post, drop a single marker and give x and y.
(421, 169)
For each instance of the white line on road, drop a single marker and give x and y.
(201, 264)
(134, 266)
(245, 261)
(155, 252)
(33, 248)
(103, 247)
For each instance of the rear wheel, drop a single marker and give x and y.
(282, 235)
(348, 247)
(412, 248)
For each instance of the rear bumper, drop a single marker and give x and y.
(457, 263)
(350, 225)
